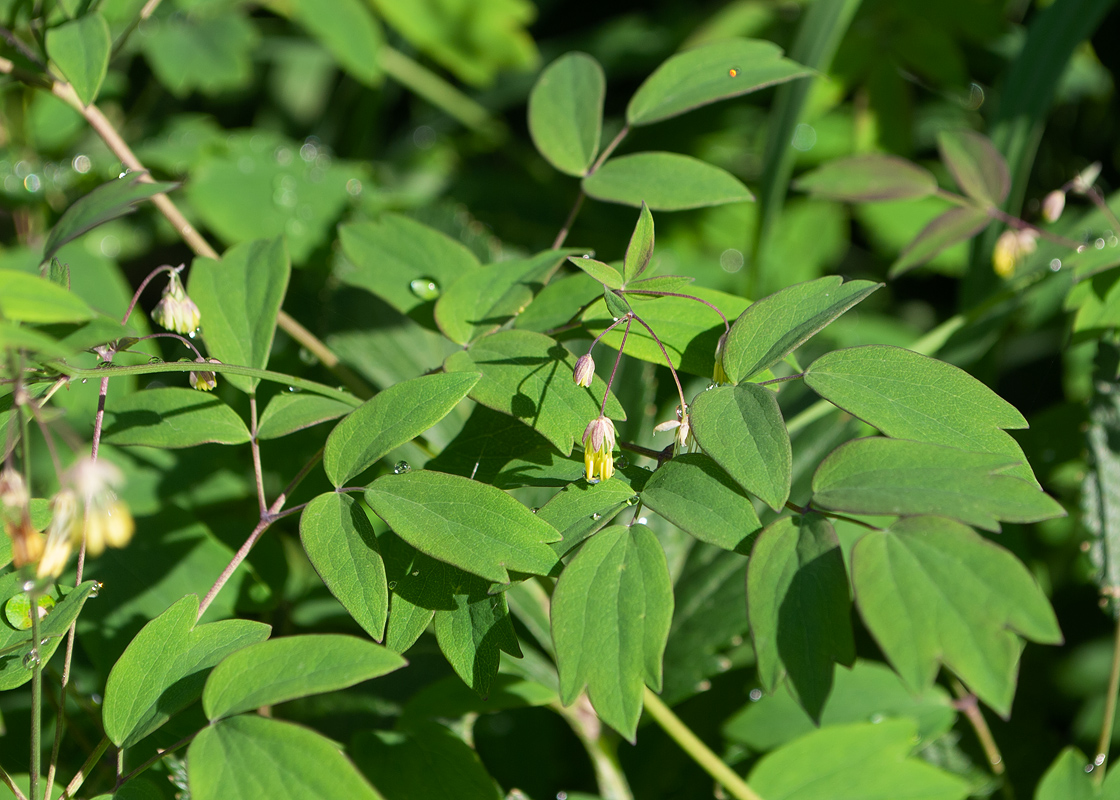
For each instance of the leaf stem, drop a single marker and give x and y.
(783, 379)
(614, 370)
(668, 361)
(6, 779)
(193, 366)
(1100, 761)
(255, 446)
(144, 285)
(267, 518)
(159, 755)
(696, 749)
(36, 698)
(726, 324)
(563, 234)
(657, 455)
(967, 704)
(610, 148)
(76, 784)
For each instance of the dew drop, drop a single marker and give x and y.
(632, 500)
(1081, 248)
(534, 510)
(622, 462)
(401, 467)
(83, 380)
(592, 481)
(96, 699)
(596, 516)
(585, 255)
(425, 288)
(294, 389)
(31, 660)
(875, 719)
(1055, 264)
(643, 520)
(1099, 244)
(28, 585)
(1099, 759)
(733, 72)
(392, 584)
(755, 695)
(95, 589)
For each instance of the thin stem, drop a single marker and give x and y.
(968, 705)
(610, 148)
(669, 361)
(1105, 741)
(194, 366)
(76, 784)
(1008, 219)
(726, 324)
(609, 328)
(842, 517)
(159, 755)
(600, 746)
(145, 12)
(36, 699)
(656, 455)
(795, 377)
(167, 335)
(563, 234)
(422, 81)
(255, 445)
(1095, 195)
(696, 749)
(614, 370)
(266, 520)
(144, 285)
(6, 779)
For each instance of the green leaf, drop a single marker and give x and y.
(604, 273)
(169, 417)
(944, 231)
(423, 760)
(864, 760)
(239, 298)
(29, 298)
(707, 74)
(868, 691)
(529, 376)
(209, 48)
(404, 262)
(482, 300)
(661, 283)
(108, 201)
(904, 478)
(393, 417)
(689, 330)
(799, 608)
(933, 591)
(640, 249)
(977, 166)
(469, 524)
(776, 325)
(559, 302)
(581, 509)
(910, 396)
(418, 585)
(566, 112)
(611, 613)
(278, 670)
(81, 48)
(742, 429)
(867, 179)
(164, 667)
(253, 758)
(342, 546)
(1068, 778)
(699, 497)
(287, 413)
(617, 305)
(474, 633)
(53, 629)
(348, 29)
(664, 182)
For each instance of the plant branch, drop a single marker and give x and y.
(267, 518)
(696, 749)
(610, 148)
(6, 779)
(967, 704)
(563, 234)
(144, 285)
(76, 784)
(614, 370)
(255, 445)
(726, 324)
(36, 698)
(159, 755)
(668, 361)
(194, 366)
(1101, 758)
(657, 455)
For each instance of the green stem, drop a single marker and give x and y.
(1101, 760)
(696, 749)
(6, 779)
(422, 81)
(600, 746)
(76, 784)
(36, 698)
(194, 366)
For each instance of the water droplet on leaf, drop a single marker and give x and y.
(622, 462)
(95, 589)
(31, 660)
(596, 516)
(425, 288)
(401, 467)
(632, 500)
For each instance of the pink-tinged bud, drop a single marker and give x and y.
(584, 372)
(204, 380)
(176, 311)
(1086, 178)
(598, 449)
(1053, 205)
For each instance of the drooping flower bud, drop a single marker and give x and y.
(598, 449)
(27, 543)
(584, 372)
(719, 374)
(1086, 178)
(1011, 248)
(1053, 205)
(683, 427)
(62, 532)
(108, 520)
(175, 310)
(204, 380)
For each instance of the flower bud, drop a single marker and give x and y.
(598, 449)
(62, 533)
(1086, 178)
(1053, 205)
(584, 372)
(719, 374)
(176, 311)
(204, 380)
